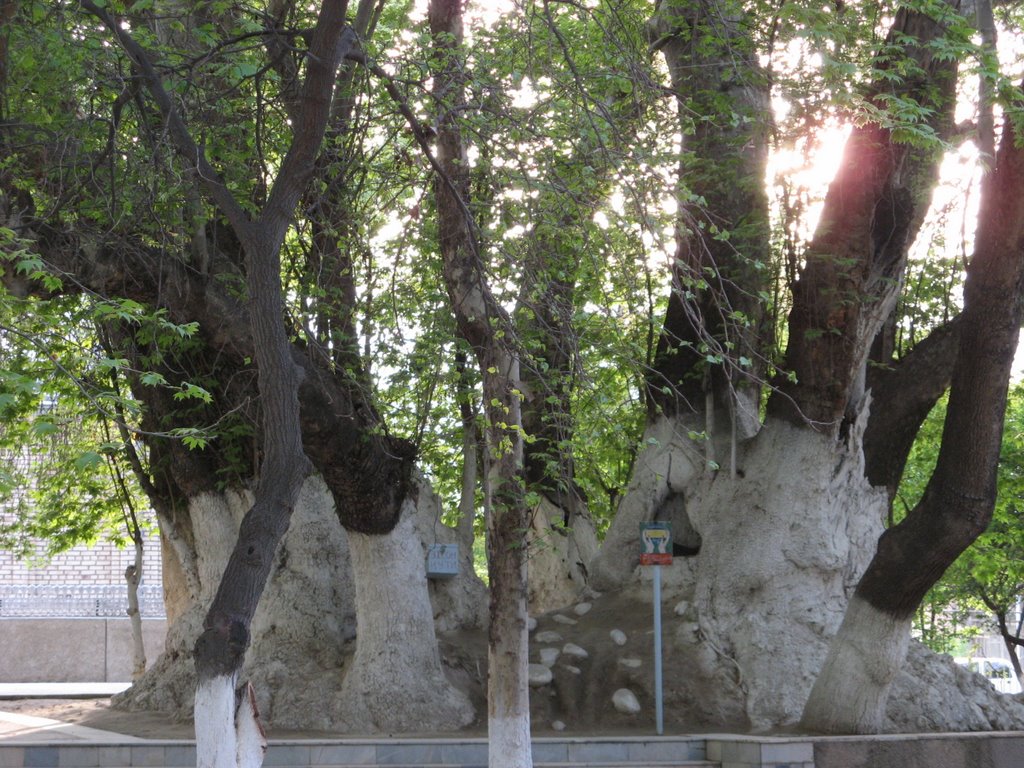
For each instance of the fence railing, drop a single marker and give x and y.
(72, 601)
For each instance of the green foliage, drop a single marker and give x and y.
(988, 578)
(574, 152)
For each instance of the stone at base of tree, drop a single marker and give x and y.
(571, 649)
(625, 701)
(548, 656)
(540, 675)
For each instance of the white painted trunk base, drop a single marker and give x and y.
(395, 682)
(508, 743)
(863, 659)
(783, 548)
(305, 625)
(226, 736)
(508, 691)
(302, 624)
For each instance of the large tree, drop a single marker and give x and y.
(379, 219)
(284, 402)
(787, 518)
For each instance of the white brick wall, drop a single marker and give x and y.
(102, 563)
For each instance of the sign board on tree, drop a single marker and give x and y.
(442, 561)
(656, 543)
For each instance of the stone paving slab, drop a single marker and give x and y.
(15, 726)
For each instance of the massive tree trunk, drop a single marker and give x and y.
(488, 330)
(850, 692)
(396, 651)
(704, 382)
(302, 630)
(784, 519)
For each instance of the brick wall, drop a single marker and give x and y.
(102, 563)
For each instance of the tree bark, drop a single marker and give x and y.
(470, 461)
(957, 503)
(902, 395)
(855, 262)
(132, 577)
(715, 326)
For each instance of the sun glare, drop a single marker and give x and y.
(804, 168)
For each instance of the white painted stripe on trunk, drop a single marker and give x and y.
(509, 744)
(864, 658)
(216, 740)
(252, 741)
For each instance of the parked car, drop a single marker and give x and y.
(996, 671)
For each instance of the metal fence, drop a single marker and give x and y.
(73, 601)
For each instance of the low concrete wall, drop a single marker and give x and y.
(73, 650)
(731, 751)
(947, 750)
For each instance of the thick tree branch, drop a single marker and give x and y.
(902, 395)
(958, 501)
(854, 264)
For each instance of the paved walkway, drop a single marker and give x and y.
(18, 727)
(60, 690)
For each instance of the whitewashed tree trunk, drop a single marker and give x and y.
(395, 681)
(300, 631)
(782, 550)
(867, 652)
(242, 743)
(489, 330)
(670, 461)
(508, 725)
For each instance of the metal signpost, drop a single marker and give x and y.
(656, 550)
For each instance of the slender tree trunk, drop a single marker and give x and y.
(470, 456)
(1012, 642)
(488, 330)
(132, 577)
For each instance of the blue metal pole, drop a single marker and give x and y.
(658, 710)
